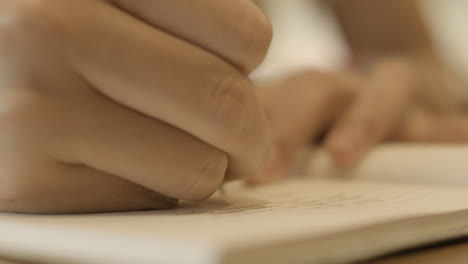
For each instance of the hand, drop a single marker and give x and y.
(118, 105)
(399, 99)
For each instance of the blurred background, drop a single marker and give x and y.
(309, 33)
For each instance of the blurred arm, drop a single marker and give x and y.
(383, 28)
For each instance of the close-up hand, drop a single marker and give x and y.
(349, 113)
(127, 105)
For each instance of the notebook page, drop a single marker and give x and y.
(243, 218)
(404, 163)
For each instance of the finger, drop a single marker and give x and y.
(439, 88)
(150, 153)
(77, 189)
(79, 126)
(84, 127)
(236, 31)
(170, 80)
(373, 115)
(421, 126)
(299, 109)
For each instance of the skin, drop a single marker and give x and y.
(127, 105)
(397, 89)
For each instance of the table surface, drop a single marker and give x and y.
(455, 252)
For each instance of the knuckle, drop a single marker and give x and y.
(257, 34)
(207, 177)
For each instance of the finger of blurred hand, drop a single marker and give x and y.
(170, 80)
(234, 30)
(422, 126)
(374, 114)
(299, 109)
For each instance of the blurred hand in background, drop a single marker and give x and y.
(349, 113)
(397, 89)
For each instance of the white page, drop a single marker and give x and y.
(403, 163)
(244, 218)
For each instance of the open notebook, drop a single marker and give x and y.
(307, 219)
